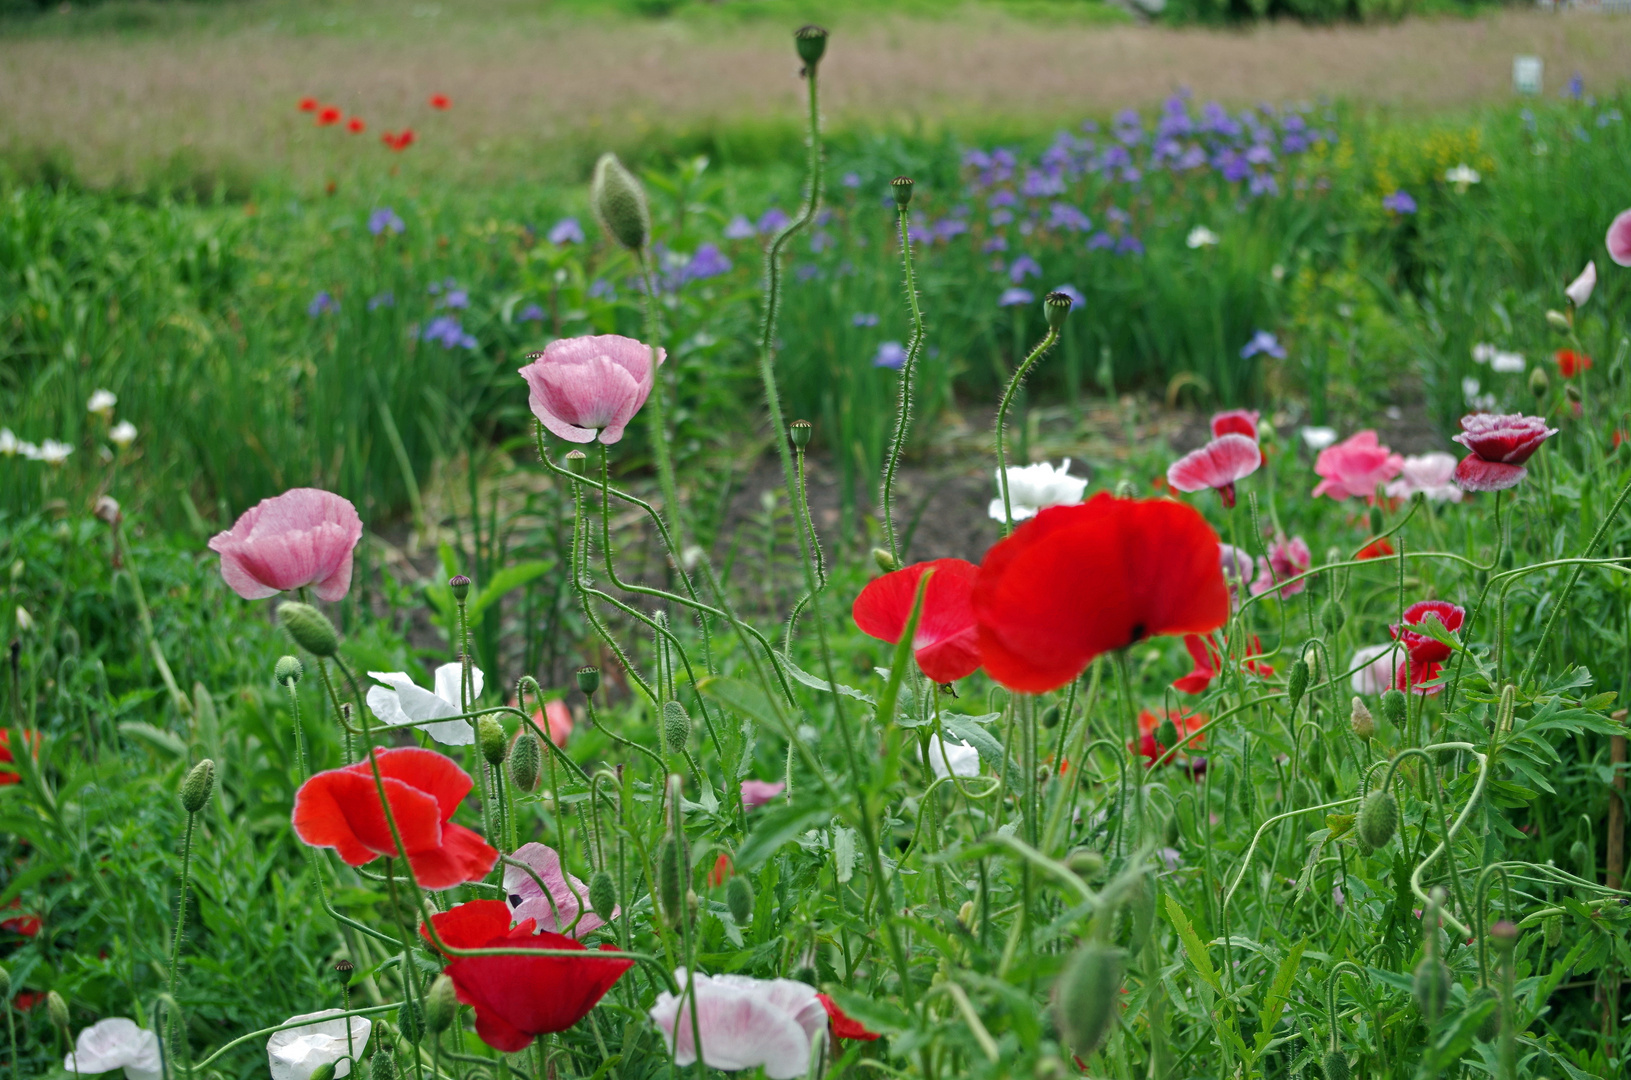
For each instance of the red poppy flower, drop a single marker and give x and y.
(1238, 421)
(1411, 674)
(308, 104)
(1500, 445)
(1184, 723)
(440, 101)
(1227, 458)
(518, 998)
(355, 125)
(1571, 363)
(26, 925)
(9, 775)
(404, 139)
(1077, 581)
(721, 871)
(1208, 657)
(27, 999)
(1376, 549)
(945, 644)
(1424, 649)
(844, 1026)
(340, 809)
(329, 114)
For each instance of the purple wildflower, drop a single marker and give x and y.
(996, 243)
(456, 298)
(384, 220)
(1015, 296)
(446, 332)
(1022, 268)
(321, 304)
(999, 218)
(1263, 342)
(566, 231)
(708, 262)
(1129, 245)
(773, 220)
(601, 289)
(891, 354)
(1400, 202)
(807, 272)
(739, 228)
(851, 180)
(531, 313)
(384, 299)
(865, 318)
(1001, 198)
(1065, 216)
(1100, 239)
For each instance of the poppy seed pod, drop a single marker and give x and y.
(620, 203)
(460, 586)
(1050, 717)
(1393, 707)
(343, 970)
(526, 761)
(441, 1005)
(811, 42)
(1361, 720)
(886, 562)
(901, 187)
(1378, 818)
(577, 462)
(309, 627)
(288, 670)
(490, 737)
(410, 1020)
(325, 1071)
(195, 789)
(589, 679)
(1084, 998)
(673, 879)
(799, 431)
(1540, 383)
(57, 1009)
(739, 899)
(603, 895)
(1335, 1065)
(1056, 305)
(676, 727)
(382, 1066)
(1297, 682)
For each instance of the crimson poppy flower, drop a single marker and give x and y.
(1571, 363)
(1238, 421)
(518, 998)
(1227, 458)
(404, 139)
(1184, 723)
(1424, 649)
(1077, 581)
(328, 115)
(356, 126)
(1411, 674)
(845, 1026)
(440, 101)
(309, 104)
(1376, 549)
(9, 775)
(340, 809)
(945, 644)
(1500, 445)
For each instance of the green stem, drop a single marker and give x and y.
(903, 407)
(1014, 384)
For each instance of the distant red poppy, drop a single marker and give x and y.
(720, 872)
(329, 115)
(1077, 581)
(9, 775)
(1424, 649)
(355, 125)
(1570, 363)
(308, 104)
(1376, 549)
(945, 644)
(27, 999)
(26, 925)
(340, 809)
(441, 101)
(518, 998)
(1151, 750)
(844, 1026)
(1207, 655)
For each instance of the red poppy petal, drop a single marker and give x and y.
(343, 811)
(471, 925)
(437, 775)
(518, 997)
(1476, 474)
(844, 1026)
(952, 659)
(1195, 682)
(1218, 464)
(463, 856)
(946, 645)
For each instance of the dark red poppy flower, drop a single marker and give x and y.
(1376, 549)
(1182, 722)
(1077, 581)
(24, 924)
(1500, 445)
(1237, 421)
(329, 115)
(356, 126)
(1227, 458)
(309, 104)
(844, 1026)
(340, 809)
(518, 998)
(1424, 649)
(1411, 674)
(946, 643)
(8, 775)
(1571, 363)
(441, 101)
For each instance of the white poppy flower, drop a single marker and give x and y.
(963, 759)
(115, 1043)
(102, 402)
(401, 702)
(296, 1053)
(1318, 438)
(1376, 666)
(1579, 290)
(8, 443)
(1507, 363)
(1037, 487)
(1200, 236)
(53, 452)
(1483, 352)
(745, 1023)
(123, 433)
(1431, 474)
(1462, 176)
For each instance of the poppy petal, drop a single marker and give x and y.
(1227, 458)
(471, 925)
(946, 643)
(435, 774)
(341, 809)
(463, 856)
(1475, 474)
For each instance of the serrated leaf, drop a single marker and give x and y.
(1279, 990)
(1194, 949)
(814, 683)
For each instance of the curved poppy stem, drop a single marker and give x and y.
(903, 407)
(1020, 372)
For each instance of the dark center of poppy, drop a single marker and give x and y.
(515, 900)
(1138, 633)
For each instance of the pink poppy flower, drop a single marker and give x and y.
(586, 388)
(567, 897)
(302, 537)
(1411, 674)
(1619, 239)
(745, 1023)
(1500, 445)
(1217, 465)
(756, 793)
(1238, 421)
(1422, 648)
(1286, 560)
(1355, 466)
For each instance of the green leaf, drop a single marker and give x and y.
(1275, 1000)
(743, 698)
(814, 683)
(506, 580)
(775, 826)
(879, 1016)
(157, 738)
(1193, 946)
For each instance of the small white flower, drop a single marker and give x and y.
(52, 452)
(1200, 236)
(953, 759)
(1037, 487)
(1338, 897)
(102, 402)
(1506, 363)
(296, 1053)
(401, 702)
(25, 621)
(8, 443)
(1462, 176)
(1376, 665)
(1318, 438)
(1431, 474)
(115, 1043)
(1579, 290)
(123, 433)
(1483, 352)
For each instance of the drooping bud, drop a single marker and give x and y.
(620, 203)
(107, 509)
(1050, 717)
(288, 670)
(195, 789)
(589, 679)
(410, 1020)
(739, 899)
(1504, 934)
(1056, 305)
(309, 627)
(1085, 863)
(965, 915)
(901, 187)
(1311, 657)
(441, 1005)
(1393, 707)
(490, 737)
(343, 970)
(383, 1065)
(1297, 683)
(1430, 985)
(526, 761)
(1361, 720)
(1085, 997)
(673, 879)
(799, 431)
(1166, 733)
(1378, 818)
(577, 462)
(56, 1009)
(886, 562)
(811, 42)
(676, 727)
(460, 586)
(602, 895)
(1335, 1065)
(1540, 383)
(1559, 321)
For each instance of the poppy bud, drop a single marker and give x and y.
(1332, 616)
(57, 1009)
(1056, 305)
(620, 203)
(490, 737)
(288, 670)
(1126, 489)
(195, 789)
(577, 462)
(460, 586)
(1552, 929)
(1430, 985)
(383, 1065)
(1559, 321)
(1393, 707)
(1572, 393)
(739, 899)
(1509, 702)
(1335, 1065)
(441, 1005)
(965, 915)
(1311, 657)
(1505, 936)
(1375, 520)
(901, 188)
(603, 895)
(343, 970)
(1297, 682)
(1050, 717)
(309, 627)
(1085, 862)
(5, 985)
(676, 726)
(589, 679)
(1360, 719)
(1166, 733)
(325, 1071)
(1378, 817)
(411, 1021)
(1540, 383)
(799, 432)
(886, 562)
(1084, 998)
(107, 509)
(811, 42)
(673, 879)
(526, 761)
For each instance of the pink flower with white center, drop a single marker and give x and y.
(745, 1023)
(756, 793)
(566, 898)
(1431, 474)
(302, 537)
(1619, 239)
(1217, 465)
(1238, 421)
(589, 388)
(1355, 466)
(1286, 560)
(1500, 445)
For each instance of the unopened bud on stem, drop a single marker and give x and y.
(490, 737)
(441, 1005)
(288, 670)
(309, 627)
(526, 761)
(460, 586)
(1378, 818)
(195, 789)
(739, 899)
(676, 727)
(620, 203)
(1086, 996)
(1361, 720)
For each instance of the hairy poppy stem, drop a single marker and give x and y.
(1008, 394)
(903, 408)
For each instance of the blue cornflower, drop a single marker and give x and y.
(708, 262)
(384, 299)
(531, 313)
(891, 354)
(566, 231)
(738, 228)
(456, 298)
(1576, 87)
(1399, 202)
(385, 220)
(446, 331)
(1022, 268)
(851, 180)
(773, 220)
(865, 318)
(322, 303)
(1015, 296)
(1263, 342)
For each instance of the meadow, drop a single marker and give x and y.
(1274, 734)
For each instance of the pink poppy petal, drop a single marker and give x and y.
(1619, 239)
(1476, 474)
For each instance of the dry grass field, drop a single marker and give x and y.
(527, 83)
